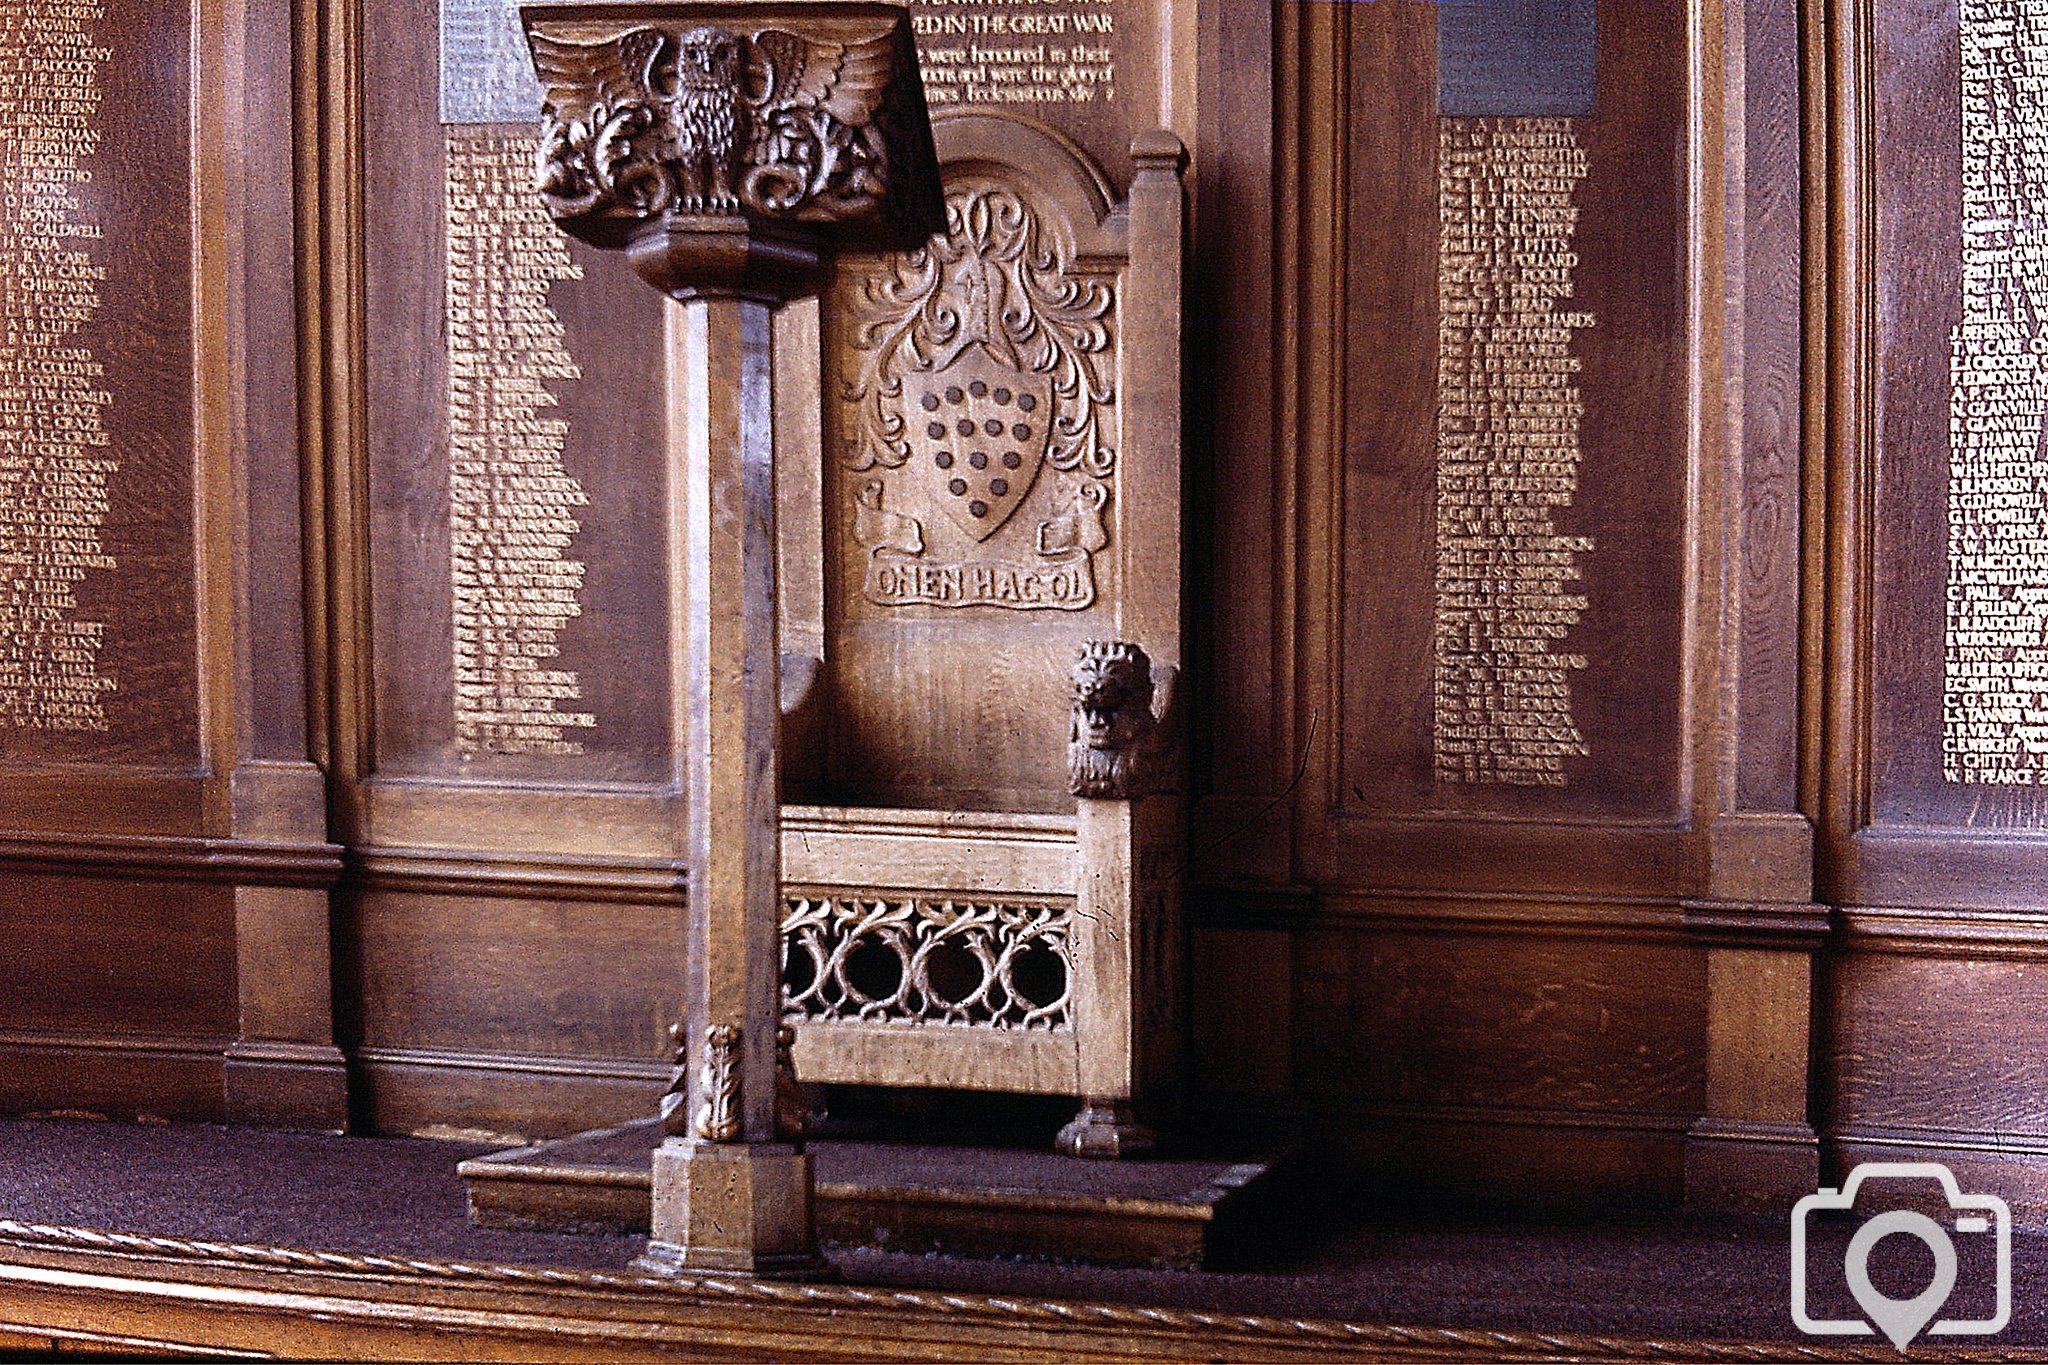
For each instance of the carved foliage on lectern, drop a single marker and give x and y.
(713, 121)
(912, 960)
(718, 1085)
(976, 363)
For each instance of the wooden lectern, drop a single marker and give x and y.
(726, 148)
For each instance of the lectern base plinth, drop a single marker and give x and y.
(732, 1207)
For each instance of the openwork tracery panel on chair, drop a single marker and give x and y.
(885, 958)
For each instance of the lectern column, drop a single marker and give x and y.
(728, 1194)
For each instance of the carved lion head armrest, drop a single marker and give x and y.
(1126, 712)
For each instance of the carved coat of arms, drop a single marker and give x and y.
(977, 365)
(982, 440)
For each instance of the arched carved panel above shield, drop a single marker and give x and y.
(978, 446)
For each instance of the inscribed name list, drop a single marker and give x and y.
(512, 504)
(1509, 412)
(56, 458)
(1995, 672)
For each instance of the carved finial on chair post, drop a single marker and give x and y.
(726, 147)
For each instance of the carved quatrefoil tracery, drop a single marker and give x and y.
(906, 959)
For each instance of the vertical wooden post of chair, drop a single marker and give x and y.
(1125, 747)
(726, 146)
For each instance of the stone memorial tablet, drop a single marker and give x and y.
(486, 76)
(1516, 58)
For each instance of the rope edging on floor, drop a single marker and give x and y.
(998, 1309)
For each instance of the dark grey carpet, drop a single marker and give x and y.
(1659, 1276)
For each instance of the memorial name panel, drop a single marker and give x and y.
(1959, 648)
(520, 615)
(1995, 673)
(1509, 413)
(97, 636)
(1515, 507)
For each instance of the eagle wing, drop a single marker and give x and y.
(843, 78)
(578, 76)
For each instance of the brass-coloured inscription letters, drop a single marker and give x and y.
(512, 505)
(55, 453)
(1995, 679)
(1508, 453)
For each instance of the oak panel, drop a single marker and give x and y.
(616, 643)
(1505, 1022)
(1943, 1043)
(106, 955)
(136, 202)
(1630, 497)
(510, 975)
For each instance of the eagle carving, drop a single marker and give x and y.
(708, 122)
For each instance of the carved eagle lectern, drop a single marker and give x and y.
(732, 120)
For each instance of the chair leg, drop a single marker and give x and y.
(1105, 1129)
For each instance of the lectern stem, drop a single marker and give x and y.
(727, 450)
(727, 1196)
(776, 128)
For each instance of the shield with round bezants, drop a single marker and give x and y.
(978, 436)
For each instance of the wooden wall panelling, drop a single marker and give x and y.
(1755, 1145)
(1553, 770)
(283, 1066)
(1267, 216)
(1241, 504)
(1932, 834)
(507, 742)
(1524, 1052)
(1646, 763)
(155, 686)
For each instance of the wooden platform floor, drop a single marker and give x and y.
(1175, 1211)
(210, 1215)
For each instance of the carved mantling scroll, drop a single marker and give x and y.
(977, 362)
(748, 118)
